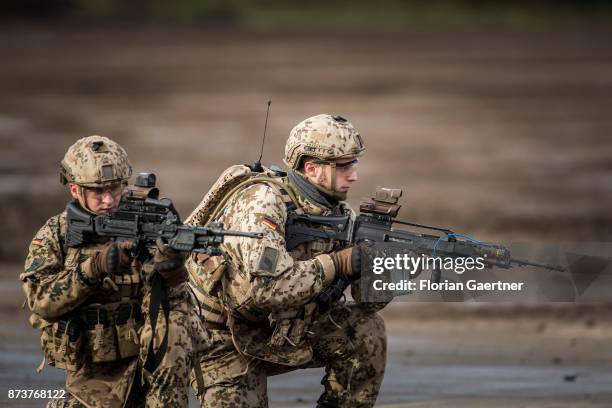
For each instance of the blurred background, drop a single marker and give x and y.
(494, 117)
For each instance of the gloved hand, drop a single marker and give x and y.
(348, 262)
(170, 264)
(124, 257)
(343, 262)
(99, 262)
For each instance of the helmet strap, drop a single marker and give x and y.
(333, 176)
(332, 193)
(81, 198)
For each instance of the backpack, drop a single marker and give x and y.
(229, 182)
(206, 271)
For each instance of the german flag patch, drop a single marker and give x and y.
(269, 223)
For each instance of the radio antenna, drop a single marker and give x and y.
(256, 167)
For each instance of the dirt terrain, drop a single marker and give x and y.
(504, 136)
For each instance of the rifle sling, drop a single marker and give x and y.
(159, 297)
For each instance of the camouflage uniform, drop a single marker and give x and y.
(105, 364)
(260, 309)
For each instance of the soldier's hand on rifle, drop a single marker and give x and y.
(343, 263)
(348, 261)
(100, 261)
(125, 259)
(170, 264)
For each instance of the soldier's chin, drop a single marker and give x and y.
(340, 195)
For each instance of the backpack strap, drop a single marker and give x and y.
(287, 195)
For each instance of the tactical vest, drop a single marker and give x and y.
(105, 328)
(250, 328)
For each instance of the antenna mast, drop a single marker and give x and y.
(256, 167)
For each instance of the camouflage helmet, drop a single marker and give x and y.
(324, 137)
(95, 161)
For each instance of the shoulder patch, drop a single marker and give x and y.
(36, 263)
(268, 260)
(269, 223)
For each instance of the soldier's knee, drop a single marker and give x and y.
(378, 323)
(372, 336)
(369, 324)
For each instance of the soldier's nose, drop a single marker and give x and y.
(107, 198)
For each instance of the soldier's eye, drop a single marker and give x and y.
(115, 189)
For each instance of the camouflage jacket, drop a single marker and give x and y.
(273, 279)
(263, 286)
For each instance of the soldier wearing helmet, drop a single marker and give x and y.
(96, 169)
(325, 140)
(89, 302)
(259, 301)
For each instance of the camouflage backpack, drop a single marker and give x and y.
(232, 180)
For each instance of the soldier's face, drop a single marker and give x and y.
(99, 200)
(321, 174)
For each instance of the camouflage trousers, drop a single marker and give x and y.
(352, 349)
(117, 384)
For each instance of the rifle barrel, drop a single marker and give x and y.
(240, 234)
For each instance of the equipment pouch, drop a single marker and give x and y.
(280, 333)
(62, 342)
(100, 335)
(301, 324)
(283, 323)
(128, 323)
(205, 271)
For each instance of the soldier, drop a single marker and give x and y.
(259, 300)
(91, 303)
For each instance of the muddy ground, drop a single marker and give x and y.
(502, 135)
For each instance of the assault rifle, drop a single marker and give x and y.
(142, 217)
(375, 224)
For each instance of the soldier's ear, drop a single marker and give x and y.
(74, 191)
(310, 169)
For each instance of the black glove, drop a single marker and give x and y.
(124, 258)
(170, 264)
(99, 262)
